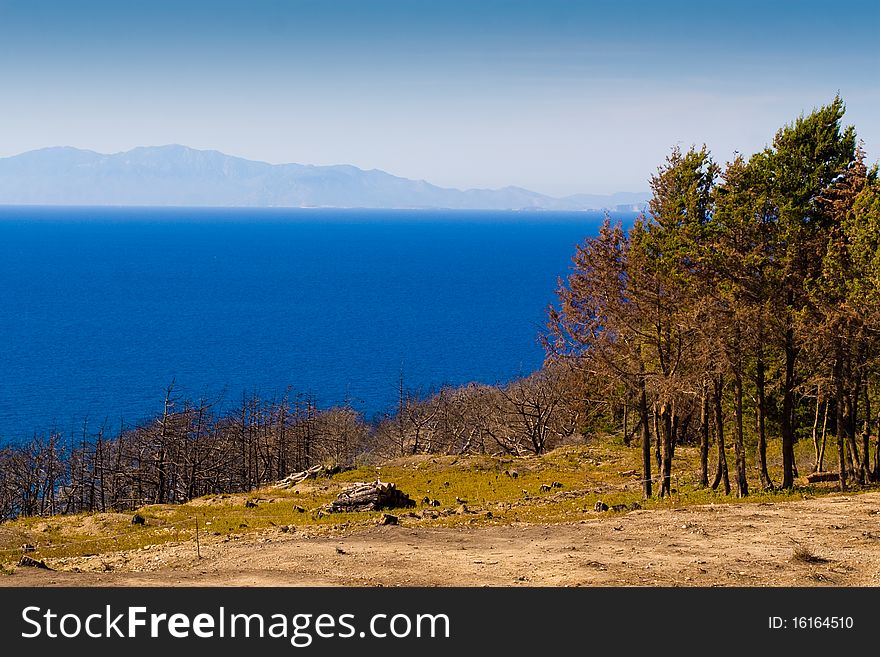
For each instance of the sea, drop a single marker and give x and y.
(101, 309)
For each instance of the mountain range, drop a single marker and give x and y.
(176, 175)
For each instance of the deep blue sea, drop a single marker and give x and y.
(100, 309)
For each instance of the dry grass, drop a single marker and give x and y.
(600, 470)
(804, 555)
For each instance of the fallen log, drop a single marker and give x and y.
(292, 480)
(816, 477)
(29, 562)
(370, 496)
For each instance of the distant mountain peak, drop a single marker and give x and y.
(177, 175)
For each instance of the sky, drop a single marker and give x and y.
(554, 96)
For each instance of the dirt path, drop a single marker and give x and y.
(726, 545)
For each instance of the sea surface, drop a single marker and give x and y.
(102, 308)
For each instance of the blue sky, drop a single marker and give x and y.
(559, 97)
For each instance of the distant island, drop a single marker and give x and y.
(176, 175)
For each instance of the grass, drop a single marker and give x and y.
(486, 485)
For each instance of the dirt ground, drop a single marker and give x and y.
(837, 538)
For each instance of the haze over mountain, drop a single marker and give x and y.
(180, 176)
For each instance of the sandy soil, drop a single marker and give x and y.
(716, 545)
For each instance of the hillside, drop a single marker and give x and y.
(498, 521)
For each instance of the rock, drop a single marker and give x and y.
(28, 562)
(388, 519)
(600, 506)
(339, 550)
(138, 519)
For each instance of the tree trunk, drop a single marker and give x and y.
(704, 436)
(657, 440)
(665, 422)
(841, 421)
(721, 474)
(742, 484)
(816, 428)
(788, 429)
(646, 440)
(853, 428)
(865, 474)
(761, 414)
(851, 452)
